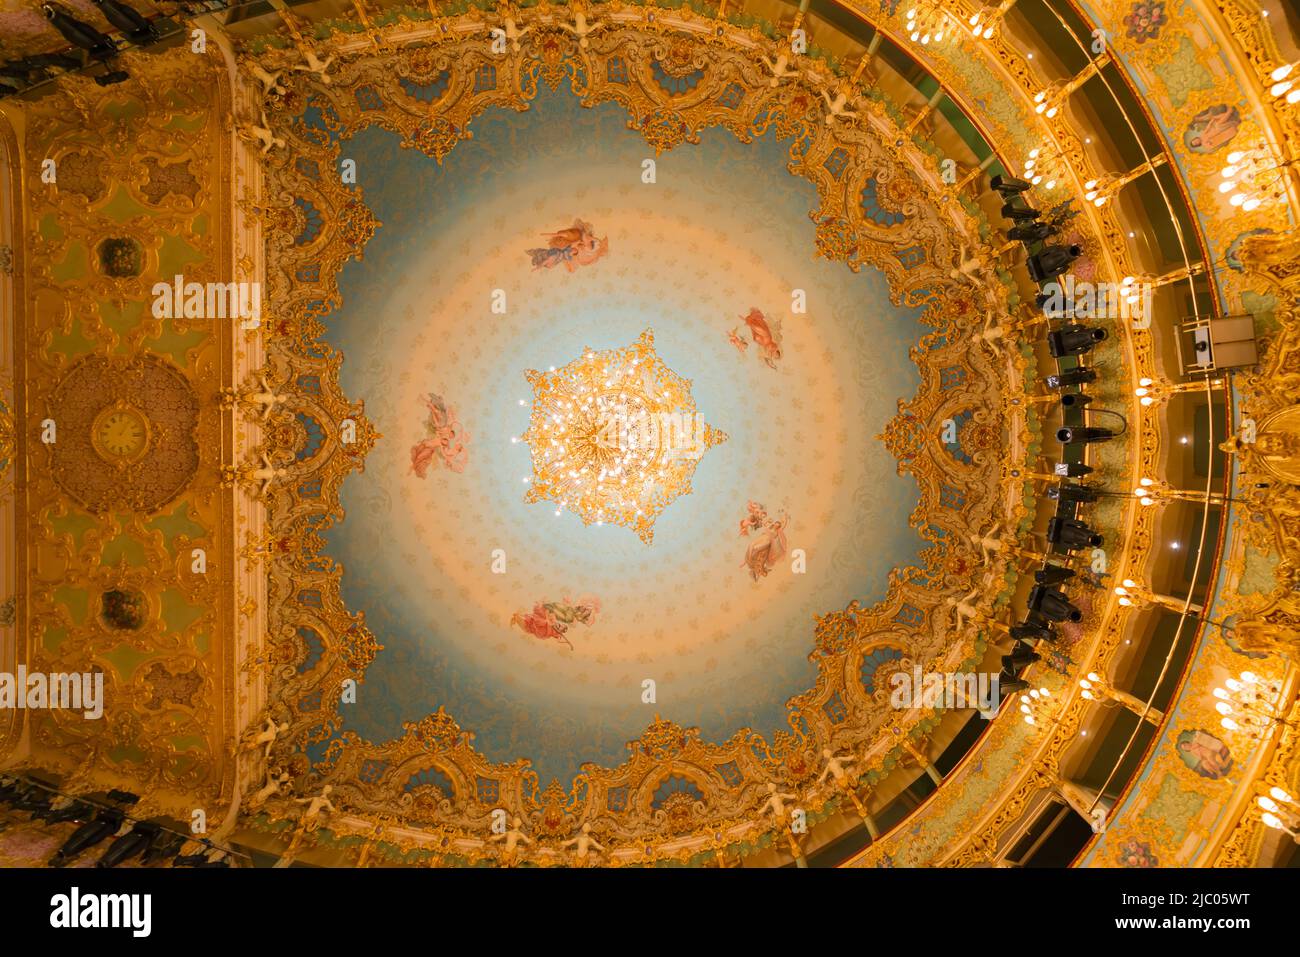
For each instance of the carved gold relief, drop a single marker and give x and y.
(924, 611)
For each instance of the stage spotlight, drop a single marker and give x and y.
(112, 77)
(1073, 340)
(1021, 657)
(1008, 683)
(1083, 435)
(39, 64)
(1018, 213)
(1068, 492)
(1053, 604)
(1071, 469)
(134, 842)
(11, 787)
(36, 801)
(166, 845)
(1053, 261)
(66, 809)
(1071, 533)
(1079, 375)
(1032, 232)
(1053, 574)
(1032, 631)
(133, 26)
(1075, 400)
(1008, 186)
(104, 825)
(79, 34)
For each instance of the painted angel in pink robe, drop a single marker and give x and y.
(765, 337)
(551, 620)
(767, 548)
(446, 439)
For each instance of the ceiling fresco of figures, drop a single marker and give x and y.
(710, 609)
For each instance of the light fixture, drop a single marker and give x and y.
(615, 437)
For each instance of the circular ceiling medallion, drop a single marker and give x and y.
(124, 433)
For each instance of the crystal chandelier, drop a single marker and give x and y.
(615, 437)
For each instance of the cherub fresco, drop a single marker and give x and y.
(738, 341)
(1205, 754)
(446, 439)
(766, 334)
(572, 247)
(1212, 128)
(769, 543)
(551, 620)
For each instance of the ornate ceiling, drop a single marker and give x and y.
(383, 517)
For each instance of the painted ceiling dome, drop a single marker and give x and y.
(634, 434)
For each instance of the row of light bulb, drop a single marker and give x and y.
(1252, 696)
(1272, 806)
(921, 33)
(978, 29)
(1284, 88)
(1122, 591)
(1087, 684)
(1093, 194)
(1040, 101)
(1031, 174)
(1034, 700)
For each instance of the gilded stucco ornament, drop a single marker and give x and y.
(924, 612)
(115, 513)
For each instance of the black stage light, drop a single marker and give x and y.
(79, 34)
(39, 64)
(64, 61)
(1071, 533)
(1071, 469)
(1021, 657)
(1073, 340)
(36, 801)
(1009, 684)
(67, 809)
(192, 860)
(1083, 435)
(1018, 213)
(1009, 186)
(1067, 492)
(1053, 604)
(1075, 400)
(1079, 375)
(134, 842)
(165, 846)
(1053, 574)
(1032, 232)
(105, 824)
(11, 787)
(1032, 631)
(133, 26)
(1053, 261)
